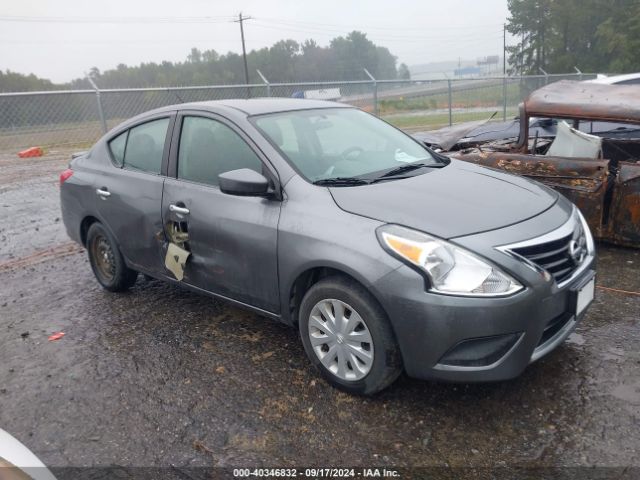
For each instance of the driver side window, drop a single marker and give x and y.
(208, 148)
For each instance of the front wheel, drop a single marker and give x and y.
(348, 337)
(106, 260)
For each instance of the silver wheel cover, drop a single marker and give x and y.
(341, 339)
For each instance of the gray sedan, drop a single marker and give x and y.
(387, 256)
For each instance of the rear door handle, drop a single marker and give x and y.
(103, 192)
(177, 209)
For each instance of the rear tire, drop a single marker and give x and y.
(348, 337)
(107, 262)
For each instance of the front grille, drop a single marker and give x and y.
(560, 257)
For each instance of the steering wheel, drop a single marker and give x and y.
(350, 151)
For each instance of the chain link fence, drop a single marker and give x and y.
(77, 118)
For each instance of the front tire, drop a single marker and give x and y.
(346, 335)
(107, 262)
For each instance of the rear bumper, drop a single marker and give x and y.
(476, 339)
(71, 215)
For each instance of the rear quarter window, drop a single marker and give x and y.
(145, 146)
(117, 147)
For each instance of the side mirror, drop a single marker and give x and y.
(243, 182)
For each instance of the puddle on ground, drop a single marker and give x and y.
(576, 339)
(613, 353)
(628, 393)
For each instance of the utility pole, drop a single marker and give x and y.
(244, 50)
(504, 72)
(504, 48)
(522, 55)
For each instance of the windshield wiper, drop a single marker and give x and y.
(404, 169)
(341, 181)
(394, 177)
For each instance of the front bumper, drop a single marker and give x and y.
(470, 339)
(429, 328)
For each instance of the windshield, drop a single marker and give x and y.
(342, 143)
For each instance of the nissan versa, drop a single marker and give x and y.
(387, 256)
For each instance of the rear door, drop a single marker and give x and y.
(129, 197)
(232, 239)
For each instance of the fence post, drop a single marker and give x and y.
(99, 100)
(450, 108)
(375, 91)
(546, 76)
(504, 98)
(266, 82)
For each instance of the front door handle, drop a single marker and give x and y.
(103, 192)
(177, 209)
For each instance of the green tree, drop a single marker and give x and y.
(352, 54)
(531, 21)
(17, 82)
(619, 37)
(285, 61)
(403, 72)
(558, 35)
(195, 56)
(283, 57)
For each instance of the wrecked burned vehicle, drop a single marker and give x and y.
(595, 162)
(386, 255)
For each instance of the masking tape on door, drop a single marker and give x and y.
(175, 260)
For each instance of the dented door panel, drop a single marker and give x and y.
(583, 181)
(232, 241)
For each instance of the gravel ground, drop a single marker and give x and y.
(160, 376)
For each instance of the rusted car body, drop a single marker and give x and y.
(606, 186)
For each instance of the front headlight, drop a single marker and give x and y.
(451, 269)
(590, 244)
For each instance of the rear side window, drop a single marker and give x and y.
(145, 145)
(117, 146)
(209, 148)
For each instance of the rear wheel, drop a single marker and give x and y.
(107, 262)
(348, 337)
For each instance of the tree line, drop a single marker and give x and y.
(558, 35)
(345, 58)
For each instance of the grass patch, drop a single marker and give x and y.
(438, 120)
(481, 96)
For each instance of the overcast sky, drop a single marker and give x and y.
(62, 39)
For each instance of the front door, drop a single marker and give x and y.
(232, 239)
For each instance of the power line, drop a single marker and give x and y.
(395, 29)
(301, 28)
(274, 24)
(36, 19)
(222, 18)
(384, 37)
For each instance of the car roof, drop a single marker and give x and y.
(615, 79)
(241, 107)
(255, 106)
(593, 101)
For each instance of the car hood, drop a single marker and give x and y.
(459, 199)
